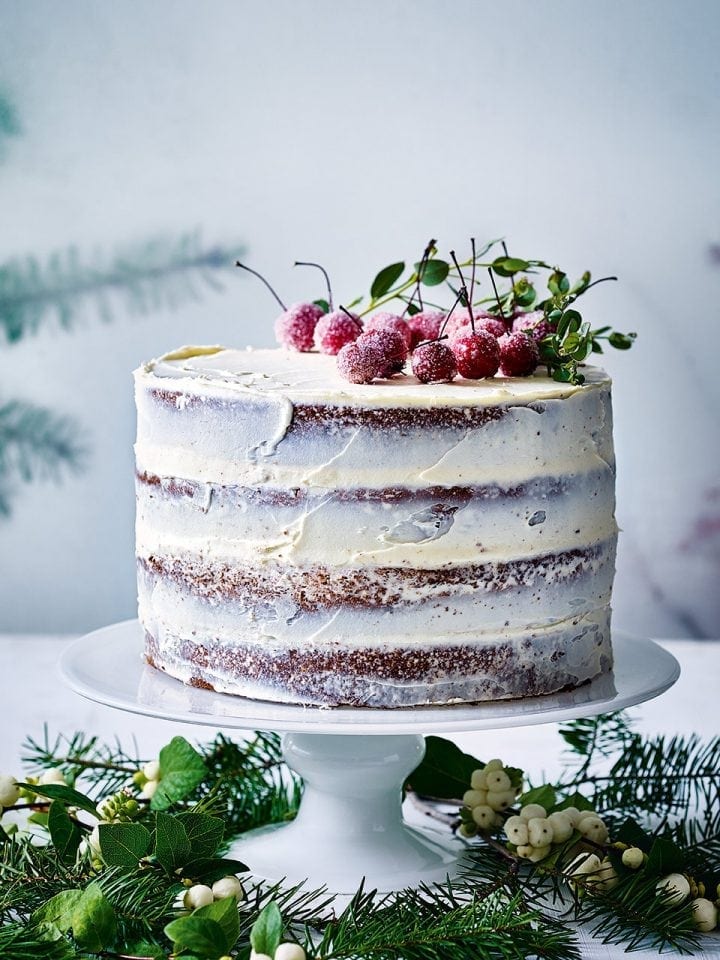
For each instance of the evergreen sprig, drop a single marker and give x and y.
(148, 276)
(59, 899)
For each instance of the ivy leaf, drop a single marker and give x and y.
(182, 769)
(544, 795)
(323, 304)
(204, 832)
(576, 800)
(385, 279)
(203, 937)
(507, 266)
(58, 910)
(59, 791)
(123, 844)
(633, 834)
(664, 857)
(432, 272)
(209, 869)
(445, 770)
(267, 930)
(94, 924)
(64, 832)
(172, 846)
(224, 912)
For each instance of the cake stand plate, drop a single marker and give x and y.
(353, 760)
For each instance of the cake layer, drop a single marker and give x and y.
(391, 675)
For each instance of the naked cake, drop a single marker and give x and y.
(304, 539)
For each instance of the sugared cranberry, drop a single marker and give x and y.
(534, 324)
(335, 329)
(493, 325)
(424, 326)
(458, 320)
(477, 355)
(361, 362)
(434, 363)
(389, 321)
(295, 327)
(392, 346)
(519, 355)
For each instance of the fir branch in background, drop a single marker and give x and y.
(9, 122)
(35, 444)
(149, 276)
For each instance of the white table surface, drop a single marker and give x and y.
(32, 693)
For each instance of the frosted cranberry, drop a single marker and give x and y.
(434, 363)
(295, 328)
(335, 329)
(519, 355)
(477, 355)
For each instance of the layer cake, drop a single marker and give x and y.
(306, 540)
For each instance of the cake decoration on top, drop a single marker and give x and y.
(511, 331)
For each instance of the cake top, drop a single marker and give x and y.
(313, 378)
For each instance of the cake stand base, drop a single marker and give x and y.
(349, 826)
(353, 761)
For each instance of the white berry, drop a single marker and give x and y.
(540, 832)
(533, 854)
(473, 798)
(705, 914)
(561, 825)
(152, 769)
(198, 896)
(494, 764)
(478, 780)
(531, 810)
(498, 780)
(148, 791)
(633, 858)
(572, 813)
(51, 776)
(607, 875)
(484, 816)
(9, 790)
(289, 951)
(593, 828)
(259, 956)
(584, 865)
(94, 841)
(500, 799)
(228, 887)
(675, 888)
(516, 830)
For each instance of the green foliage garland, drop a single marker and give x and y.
(108, 847)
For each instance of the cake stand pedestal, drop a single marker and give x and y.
(353, 760)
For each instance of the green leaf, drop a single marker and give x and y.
(385, 280)
(224, 912)
(94, 924)
(507, 266)
(204, 832)
(412, 309)
(621, 341)
(596, 347)
(204, 937)
(574, 800)
(68, 795)
(633, 834)
(182, 769)
(432, 272)
(267, 930)
(664, 857)
(64, 832)
(323, 304)
(123, 844)
(445, 771)
(354, 303)
(569, 321)
(209, 869)
(172, 846)
(558, 282)
(58, 910)
(580, 285)
(544, 795)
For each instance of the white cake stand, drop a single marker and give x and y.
(353, 760)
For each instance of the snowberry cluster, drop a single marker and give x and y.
(148, 779)
(121, 807)
(492, 789)
(9, 791)
(283, 951)
(200, 895)
(534, 832)
(678, 888)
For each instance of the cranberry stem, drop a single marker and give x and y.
(463, 294)
(261, 277)
(309, 263)
(497, 295)
(348, 314)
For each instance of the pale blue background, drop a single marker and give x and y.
(349, 132)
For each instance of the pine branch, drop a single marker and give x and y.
(100, 765)
(9, 122)
(35, 444)
(149, 276)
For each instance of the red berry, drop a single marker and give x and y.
(493, 325)
(295, 328)
(391, 345)
(458, 321)
(424, 326)
(518, 355)
(389, 321)
(361, 362)
(534, 324)
(335, 329)
(477, 355)
(434, 363)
